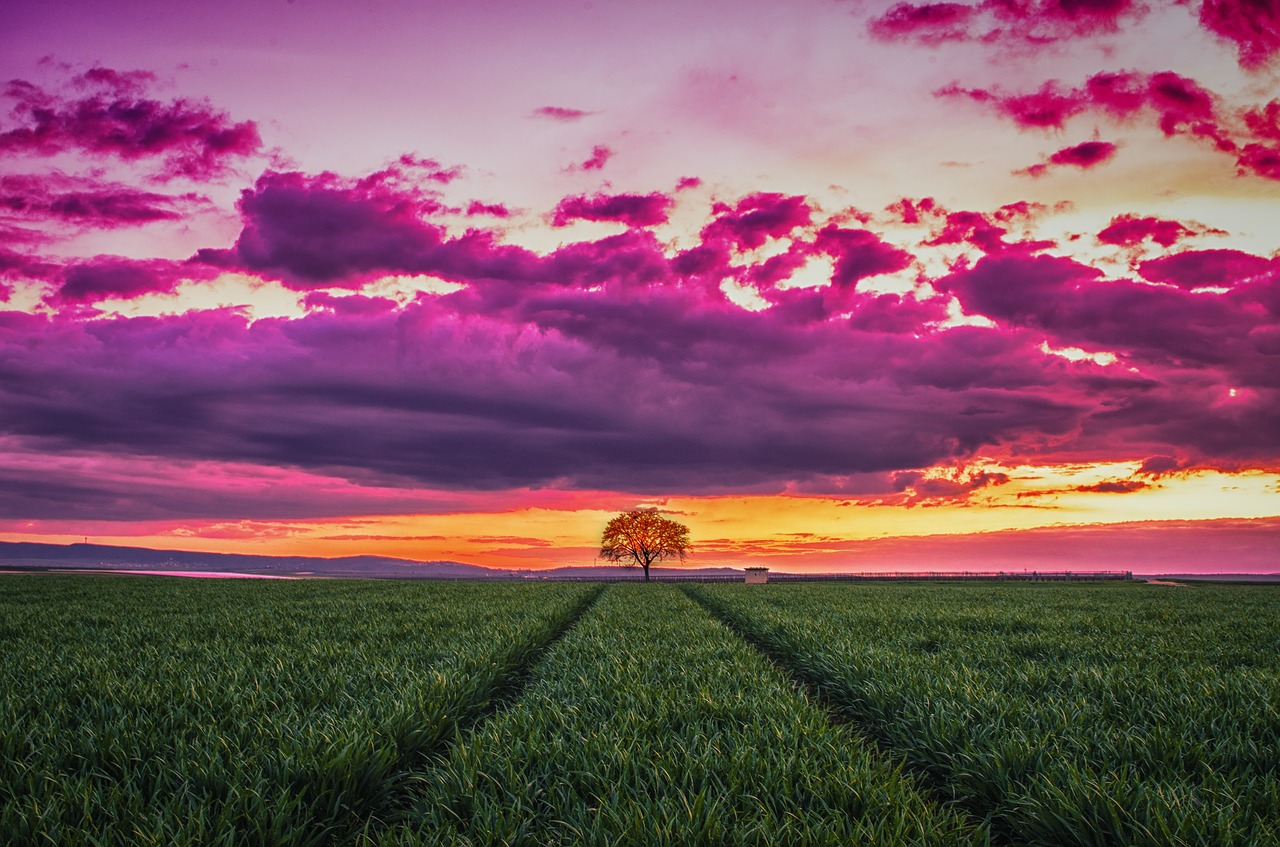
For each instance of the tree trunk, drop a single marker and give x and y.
(646, 571)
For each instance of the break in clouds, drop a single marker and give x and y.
(634, 360)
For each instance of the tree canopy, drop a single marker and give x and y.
(642, 537)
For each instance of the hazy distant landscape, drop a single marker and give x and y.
(108, 558)
(99, 557)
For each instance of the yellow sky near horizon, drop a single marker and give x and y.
(733, 529)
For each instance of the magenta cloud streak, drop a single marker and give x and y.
(107, 115)
(1252, 26)
(1024, 24)
(562, 114)
(1179, 106)
(88, 203)
(631, 209)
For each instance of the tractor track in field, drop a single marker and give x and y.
(507, 690)
(932, 783)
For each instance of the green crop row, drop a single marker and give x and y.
(1065, 715)
(652, 724)
(151, 711)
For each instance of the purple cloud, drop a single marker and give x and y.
(114, 278)
(859, 254)
(88, 203)
(1200, 268)
(493, 210)
(1157, 466)
(326, 231)
(756, 218)
(1131, 230)
(600, 156)
(1086, 155)
(630, 209)
(187, 139)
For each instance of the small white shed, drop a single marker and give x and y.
(756, 576)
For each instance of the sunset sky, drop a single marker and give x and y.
(840, 285)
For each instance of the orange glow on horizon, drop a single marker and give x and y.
(789, 530)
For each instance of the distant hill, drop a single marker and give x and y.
(108, 557)
(25, 554)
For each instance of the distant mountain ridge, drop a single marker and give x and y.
(106, 557)
(110, 557)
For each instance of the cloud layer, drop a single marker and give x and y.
(618, 362)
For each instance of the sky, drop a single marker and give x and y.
(840, 285)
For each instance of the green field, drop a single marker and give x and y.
(161, 711)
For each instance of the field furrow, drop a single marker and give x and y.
(652, 724)
(1066, 715)
(150, 711)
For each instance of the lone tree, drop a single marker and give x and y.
(643, 537)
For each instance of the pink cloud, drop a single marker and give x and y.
(1016, 286)
(409, 171)
(931, 490)
(630, 209)
(1086, 155)
(1264, 121)
(1199, 268)
(117, 82)
(15, 264)
(1114, 486)
(1009, 24)
(88, 203)
(324, 230)
(1259, 159)
(186, 139)
(493, 210)
(1049, 107)
(910, 211)
(1131, 230)
(1179, 106)
(104, 278)
(600, 156)
(928, 23)
(561, 114)
(1252, 25)
(987, 232)
(756, 218)
(859, 254)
